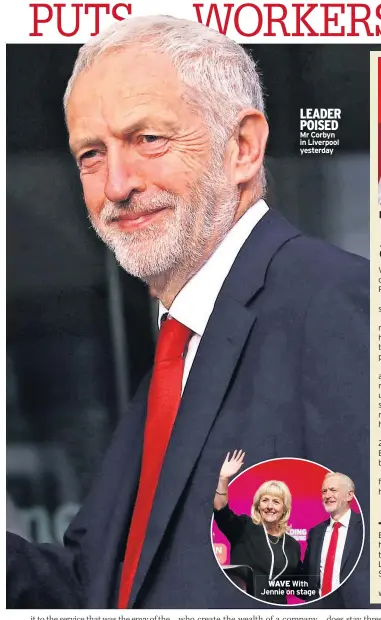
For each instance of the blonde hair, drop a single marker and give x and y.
(279, 489)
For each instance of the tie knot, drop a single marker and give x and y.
(172, 339)
(336, 525)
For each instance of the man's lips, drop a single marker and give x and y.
(134, 221)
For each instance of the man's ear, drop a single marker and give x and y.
(248, 148)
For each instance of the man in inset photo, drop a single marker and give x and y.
(334, 546)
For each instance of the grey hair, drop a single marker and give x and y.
(220, 78)
(346, 479)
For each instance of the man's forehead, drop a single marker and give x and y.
(130, 69)
(117, 83)
(332, 481)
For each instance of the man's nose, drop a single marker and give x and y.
(124, 174)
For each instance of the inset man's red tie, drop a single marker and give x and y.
(163, 403)
(330, 560)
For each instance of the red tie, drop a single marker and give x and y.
(330, 560)
(163, 402)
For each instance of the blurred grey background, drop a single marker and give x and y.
(80, 331)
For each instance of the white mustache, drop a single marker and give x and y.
(112, 211)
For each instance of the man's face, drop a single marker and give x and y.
(156, 192)
(335, 496)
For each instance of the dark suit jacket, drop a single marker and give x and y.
(352, 549)
(282, 370)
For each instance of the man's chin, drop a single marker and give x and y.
(143, 268)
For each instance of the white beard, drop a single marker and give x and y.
(178, 241)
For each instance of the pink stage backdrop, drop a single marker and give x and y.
(303, 478)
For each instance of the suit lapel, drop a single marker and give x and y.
(217, 356)
(122, 479)
(319, 547)
(350, 540)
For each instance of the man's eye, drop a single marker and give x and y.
(88, 155)
(151, 145)
(153, 140)
(88, 158)
(149, 138)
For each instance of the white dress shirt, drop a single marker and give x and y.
(195, 302)
(343, 530)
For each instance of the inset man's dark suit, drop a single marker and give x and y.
(282, 370)
(352, 549)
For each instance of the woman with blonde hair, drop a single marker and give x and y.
(260, 541)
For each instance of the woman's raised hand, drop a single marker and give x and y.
(232, 464)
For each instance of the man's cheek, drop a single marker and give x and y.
(93, 193)
(170, 176)
(187, 162)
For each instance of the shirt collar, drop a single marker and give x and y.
(344, 519)
(195, 302)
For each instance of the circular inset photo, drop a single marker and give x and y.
(286, 531)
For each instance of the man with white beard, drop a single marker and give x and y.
(263, 332)
(334, 546)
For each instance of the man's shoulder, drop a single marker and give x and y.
(287, 256)
(318, 528)
(355, 518)
(317, 260)
(306, 268)
(291, 267)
